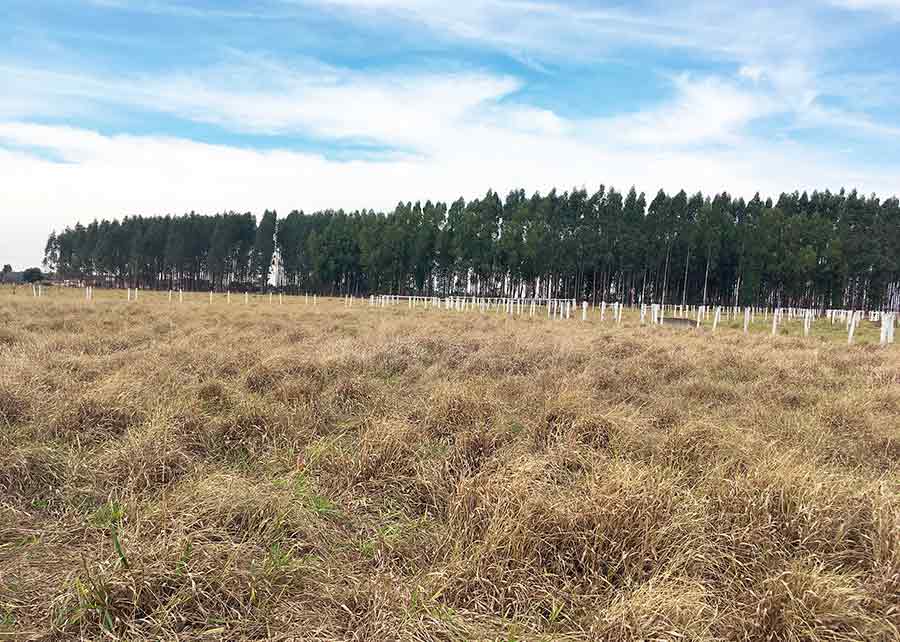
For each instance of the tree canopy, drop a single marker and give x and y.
(32, 275)
(819, 250)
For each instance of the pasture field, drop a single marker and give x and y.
(200, 472)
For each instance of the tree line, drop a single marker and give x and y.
(813, 250)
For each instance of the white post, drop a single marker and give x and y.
(716, 317)
(602, 310)
(181, 296)
(280, 299)
(774, 321)
(746, 320)
(643, 312)
(852, 328)
(135, 294)
(210, 297)
(699, 315)
(228, 297)
(584, 310)
(246, 298)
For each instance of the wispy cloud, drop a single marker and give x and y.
(704, 111)
(172, 8)
(261, 96)
(890, 7)
(559, 28)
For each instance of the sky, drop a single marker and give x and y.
(111, 108)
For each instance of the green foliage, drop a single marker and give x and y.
(32, 275)
(823, 249)
(109, 515)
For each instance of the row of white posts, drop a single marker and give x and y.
(132, 295)
(556, 308)
(566, 308)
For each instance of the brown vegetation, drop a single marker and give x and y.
(325, 473)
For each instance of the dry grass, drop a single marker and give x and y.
(255, 472)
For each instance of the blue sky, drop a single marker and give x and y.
(118, 107)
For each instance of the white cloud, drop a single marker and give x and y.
(419, 112)
(397, 109)
(784, 48)
(580, 30)
(891, 7)
(261, 96)
(752, 72)
(113, 176)
(705, 110)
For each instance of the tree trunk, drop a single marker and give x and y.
(665, 278)
(706, 276)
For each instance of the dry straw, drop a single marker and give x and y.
(200, 472)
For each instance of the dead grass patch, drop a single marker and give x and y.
(200, 471)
